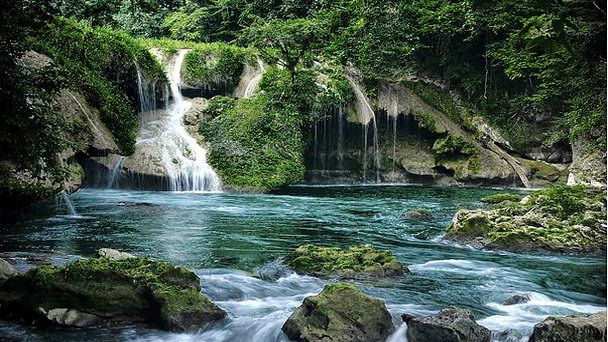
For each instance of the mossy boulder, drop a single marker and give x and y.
(356, 262)
(561, 218)
(340, 313)
(499, 198)
(590, 328)
(108, 291)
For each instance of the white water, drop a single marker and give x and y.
(115, 166)
(68, 203)
(163, 134)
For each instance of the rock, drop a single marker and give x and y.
(340, 313)
(590, 328)
(356, 262)
(6, 270)
(186, 310)
(517, 299)
(558, 219)
(69, 317)
(588, 163)
(449, 325)
(419, 214)
(110, 292)
(499, 198)
(113, 254)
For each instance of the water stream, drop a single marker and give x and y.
(233, 242)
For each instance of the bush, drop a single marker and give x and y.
(499, 198)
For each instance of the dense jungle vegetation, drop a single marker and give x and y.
(517, 61)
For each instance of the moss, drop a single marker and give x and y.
(178, 307)
(453, 145)
(354, 262)
(559, 218)
(216, 65)
(498, 198)
(257, 144)
(443, 102)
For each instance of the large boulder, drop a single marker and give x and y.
(340, 313)
(449, 325)
(108, 291)
(590, 328)
(560, 218)
(356, 262)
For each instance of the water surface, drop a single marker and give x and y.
(233, 242)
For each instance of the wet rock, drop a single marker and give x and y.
(419, 214)
(557, 219)
(113, 254)
(109, 292)
(517, 299)
(340, 313)
(590, 328)
(356, 262)
(449, 325)
(6, 270)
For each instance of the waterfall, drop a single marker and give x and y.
(340, 143)
(184, 159)
(366, 115)
(65, 198)
(115, 165)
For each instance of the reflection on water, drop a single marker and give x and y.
(233, 243)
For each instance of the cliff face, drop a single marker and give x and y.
(419, 134)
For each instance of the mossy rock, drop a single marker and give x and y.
(558, 219)
(356, 262)
(117, 291)
(340, 313)
(499, 198)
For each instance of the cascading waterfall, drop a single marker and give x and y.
(164, 144)
(115, 166)
(67, 203)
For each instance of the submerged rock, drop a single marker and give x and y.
(419, 214)
(449, 325)
(590, 328)
(561, 218)
(355, 262)
(340, 313)
(114, 254)
(517, 299)
(108, 291)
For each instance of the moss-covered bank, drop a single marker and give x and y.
(559, 218)
(111, 292)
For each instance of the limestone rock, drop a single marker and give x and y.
(340, 313)
(70, 317)
(449, 325)
(186, 310)
(6, 270)
(356, 262)
(114, 254)
(591, 328)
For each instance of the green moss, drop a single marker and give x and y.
(453, 145)
(442, 101)
(216, 65)
(257, 143)
(498, 198)
(557, 218)
(101, 63)
(356, 261)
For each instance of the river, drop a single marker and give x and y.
(234, 242)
